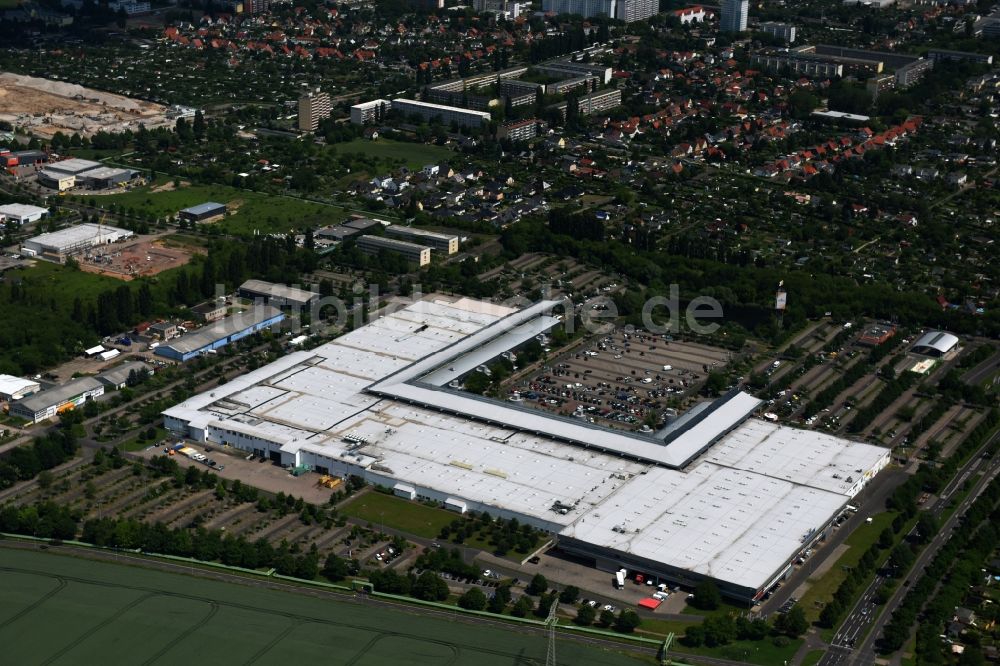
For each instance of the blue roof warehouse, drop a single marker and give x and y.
(202, 212)
(221, 333)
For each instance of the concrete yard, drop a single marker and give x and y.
(145, 256)
(266, 476)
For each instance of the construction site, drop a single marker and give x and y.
(144, 256)
(43, 107)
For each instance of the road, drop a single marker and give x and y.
(983, 371)
(865, 612)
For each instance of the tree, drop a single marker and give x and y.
(973, 656)
(694, 636)
(569, 595)
(498, 602)
(751, 630)
(706, 596)
(545, 602)
(927, 526)
(830, 614)
(538, 585)
(585, 616)
(198, 126)
(628, 620)
(716, 383)
(336, 568)
(606, 619)
(522, 607)
(793, 623)
(902, 557)
(886, 538)
(719, 630)
(473, 599)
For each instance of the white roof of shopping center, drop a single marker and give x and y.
(739, 512)
(474, 358)
(730, 524)
(804, 457)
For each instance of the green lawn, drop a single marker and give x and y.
(413, 155)
(663, 627)
(140, 445)
(120, 614)
(250, 211)
(822, 589)
(397, 513)
(764, 653)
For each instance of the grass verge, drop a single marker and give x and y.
(397, 513)
(821, 589)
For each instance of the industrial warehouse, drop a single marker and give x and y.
(223, 332)
(54, 401)
(67, 174)
(717, 494)
(58, 245)
(22, 213)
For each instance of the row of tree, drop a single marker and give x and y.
(44, 453)
(950, 574)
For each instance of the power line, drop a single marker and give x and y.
(550, 622)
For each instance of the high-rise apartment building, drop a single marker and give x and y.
(785, 31)
(313, 107)
(585, 8)
(636, 10)
(623, 10)
(734, 15)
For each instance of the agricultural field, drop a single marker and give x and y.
(249, 212)
(167, 618)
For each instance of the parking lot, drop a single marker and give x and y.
(594, 585)
(624, 380)
(264, 475)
